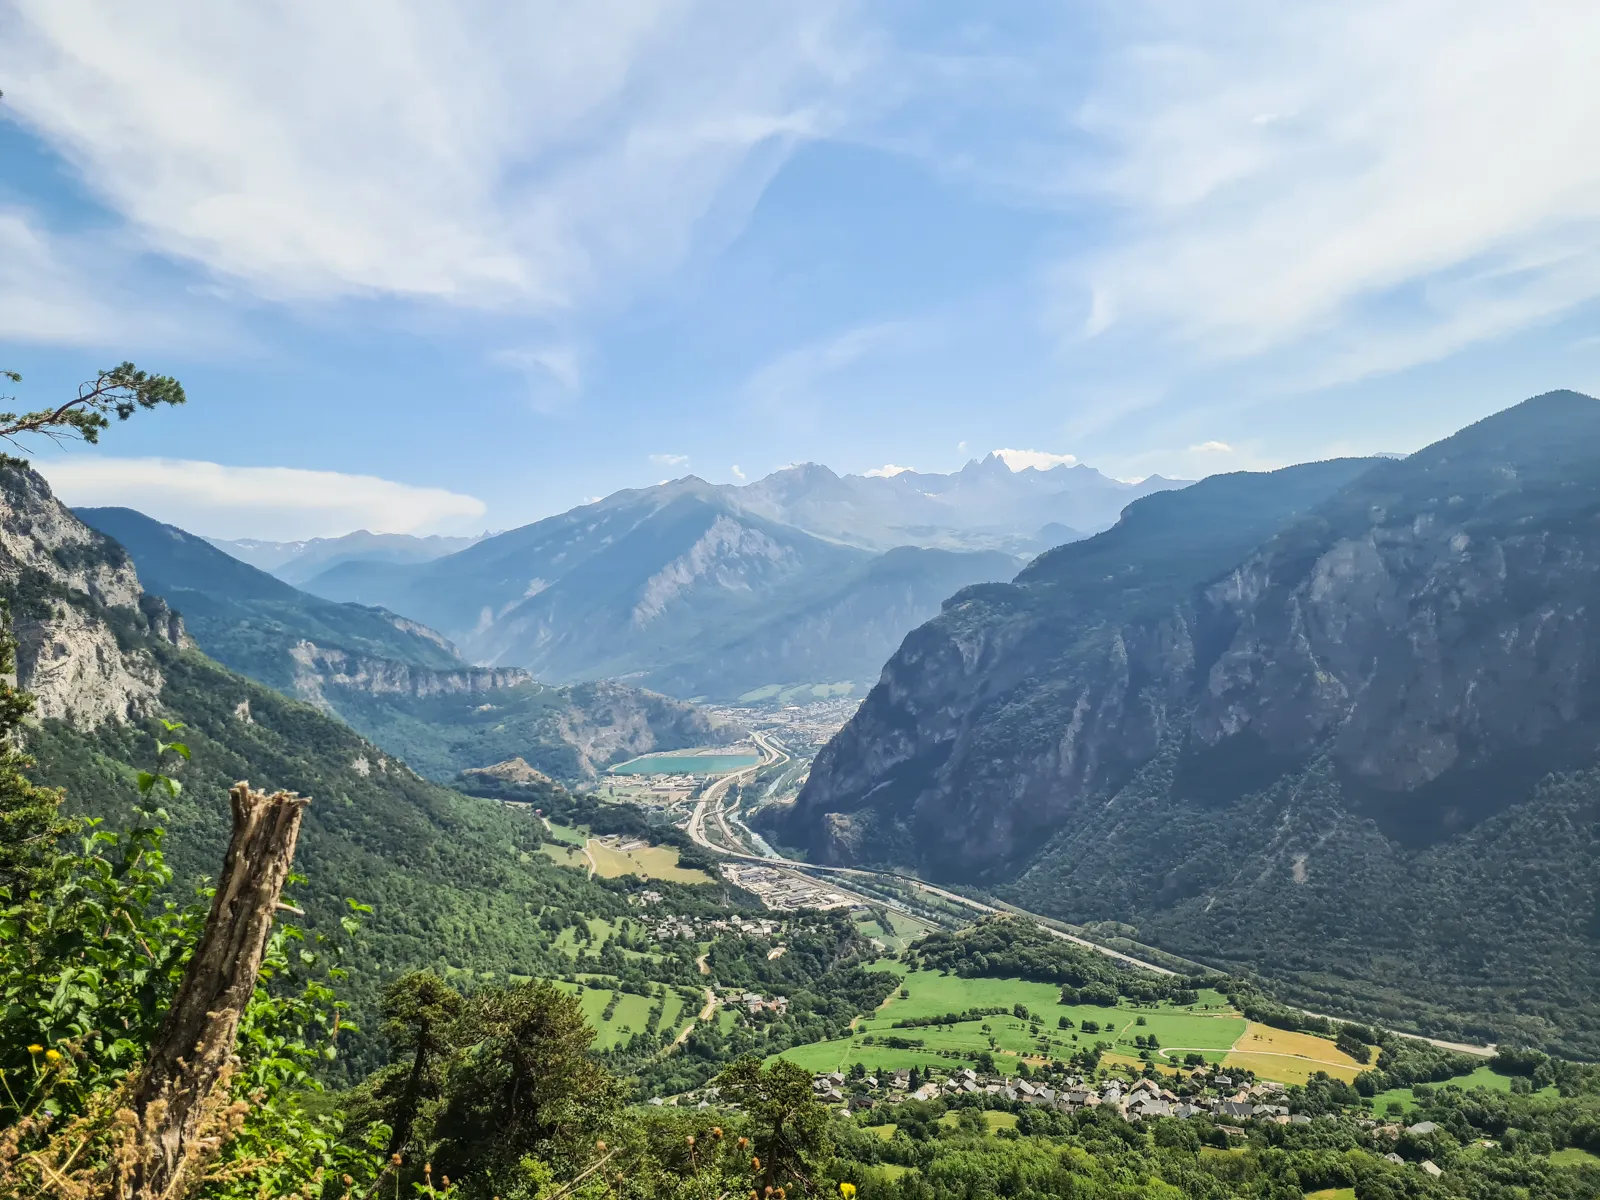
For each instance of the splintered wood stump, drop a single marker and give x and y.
(178, 1102)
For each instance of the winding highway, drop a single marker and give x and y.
(711, 804)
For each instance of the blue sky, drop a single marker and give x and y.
(441, 268)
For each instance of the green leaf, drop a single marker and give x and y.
(146, 782)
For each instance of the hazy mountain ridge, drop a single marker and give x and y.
(296, 562)
(984, 506)
(677, 587)
(1361, 755)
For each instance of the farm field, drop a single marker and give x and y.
(899, 933)
(648, 862)
(1208, 1028)
(628, 1018)
(1332, 1194)
(566, 833)
(931, 994)
(565, 855)
(575, 848)
(1289, 1057)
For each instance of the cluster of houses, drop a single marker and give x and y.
(1144, 1098)
(670, 926)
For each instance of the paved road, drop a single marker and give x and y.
(714, 795)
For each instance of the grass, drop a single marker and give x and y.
(1009, 1038)
(1483, 1077)
(648, 862)
(564, 855)
(1574, 1157)
(628, 1018)
(1288, 1057)
(1332, 1194)
(567, 833)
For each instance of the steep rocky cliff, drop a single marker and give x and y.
(1338, 723)
(448, 878)
(62, 581)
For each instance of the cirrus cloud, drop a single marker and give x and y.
(474, 154)
(278, 503)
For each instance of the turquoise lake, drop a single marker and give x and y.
(686, 764)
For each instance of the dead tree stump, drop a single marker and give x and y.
(177, 1101)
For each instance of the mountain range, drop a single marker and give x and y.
(296, 562)
(677, 587)
(394, 679)
(1335, 724)
(987, 505)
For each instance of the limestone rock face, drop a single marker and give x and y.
(1427, 624)
(1335, 724)
(70, 587)
(318, 667)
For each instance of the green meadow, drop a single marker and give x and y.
(1483, 1077)
(1006, 1036)
(627, 1018)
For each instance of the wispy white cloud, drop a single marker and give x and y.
(280, 503)
(1361, 186)
(790, 381)
(1212, 447)
(887, 471)
(553, 374)
(670, 460)
(1039, 460)
(74, 289)
(737, 473)
(475, 154)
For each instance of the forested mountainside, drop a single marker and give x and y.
(455, 882)
(1336, 722)
(393, 679)
(675, 586)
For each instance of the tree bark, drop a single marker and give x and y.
(178, 1101)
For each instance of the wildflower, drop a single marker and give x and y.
(394, 1159)
(744, 1143)
(690, 1139)
(52, 1056)
(348, 1181)
(36, 1049)
(755, 1164)
(716, 1131)
(847, 1190)
(600, 1145)
(445, 1180)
